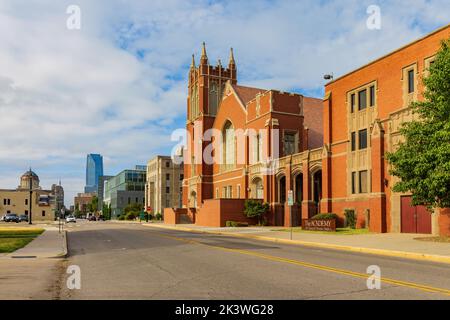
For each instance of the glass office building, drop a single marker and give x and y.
(128, 187)
(94, 170)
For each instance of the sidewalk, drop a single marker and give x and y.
(387, 244)
(50, 244)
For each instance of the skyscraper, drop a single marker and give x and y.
(94, 169)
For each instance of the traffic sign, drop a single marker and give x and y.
(290, 198)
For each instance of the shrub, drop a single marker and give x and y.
(350, 217)
(130, 216)
(158, 216)
(230, 224)
(255, 209)
(122, 217)
(325, 216)
(234, 224)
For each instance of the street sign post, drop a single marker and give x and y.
(290, 204)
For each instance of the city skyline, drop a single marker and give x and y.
(119, 117)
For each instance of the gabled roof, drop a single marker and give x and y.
(246, 93)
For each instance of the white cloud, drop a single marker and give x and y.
(64, 93)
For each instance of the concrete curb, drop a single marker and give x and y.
(380, 252)
(65, 246)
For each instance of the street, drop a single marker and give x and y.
(130, 261)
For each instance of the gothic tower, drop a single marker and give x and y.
(205, 88)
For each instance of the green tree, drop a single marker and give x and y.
(133, 210)
(93, 205)
(77, 210)
(106, 211)
(422, 161)
(255, 209)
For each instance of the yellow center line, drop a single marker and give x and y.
(313, 266)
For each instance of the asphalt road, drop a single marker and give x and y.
(120, 261)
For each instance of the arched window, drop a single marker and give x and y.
(228, 146)
(193, 200)
(213, 98)
(257, 188)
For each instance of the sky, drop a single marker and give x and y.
(118, 85)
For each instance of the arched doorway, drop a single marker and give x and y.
(281, 190)
(299, 188)
(280, 199)
(257, 188)
(317, 190)
(193, 200)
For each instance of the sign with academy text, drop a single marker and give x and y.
(319, 224)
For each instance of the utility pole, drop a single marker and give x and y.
(31, 196)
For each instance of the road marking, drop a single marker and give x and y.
(313, 266)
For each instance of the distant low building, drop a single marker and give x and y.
(164, 185)
(82, 201)
(124, 189)
(43, 202)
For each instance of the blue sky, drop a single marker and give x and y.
(118, 85)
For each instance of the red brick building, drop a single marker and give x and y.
(271, 143)
(363, 111)
(330, 153)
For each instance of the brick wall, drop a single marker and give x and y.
(216, 212)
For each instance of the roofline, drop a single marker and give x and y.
(265, 91)
(389, 54)
(159, 157)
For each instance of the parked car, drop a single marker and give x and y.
(92, 218)
(70, 219)
(23, 218)
(12, 217)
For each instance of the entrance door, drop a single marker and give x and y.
(414, 219)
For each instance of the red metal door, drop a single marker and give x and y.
(408, 212)
(414, 219)
(423, 220)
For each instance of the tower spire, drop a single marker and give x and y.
(193, 62)
(232, 63)
(204, 57)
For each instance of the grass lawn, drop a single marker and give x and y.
(339, 231)
(13, 238)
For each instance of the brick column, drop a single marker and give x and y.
(444, 222)
(325, 205)
(306, 203)
(378, 201)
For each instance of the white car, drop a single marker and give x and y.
(71, 219)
